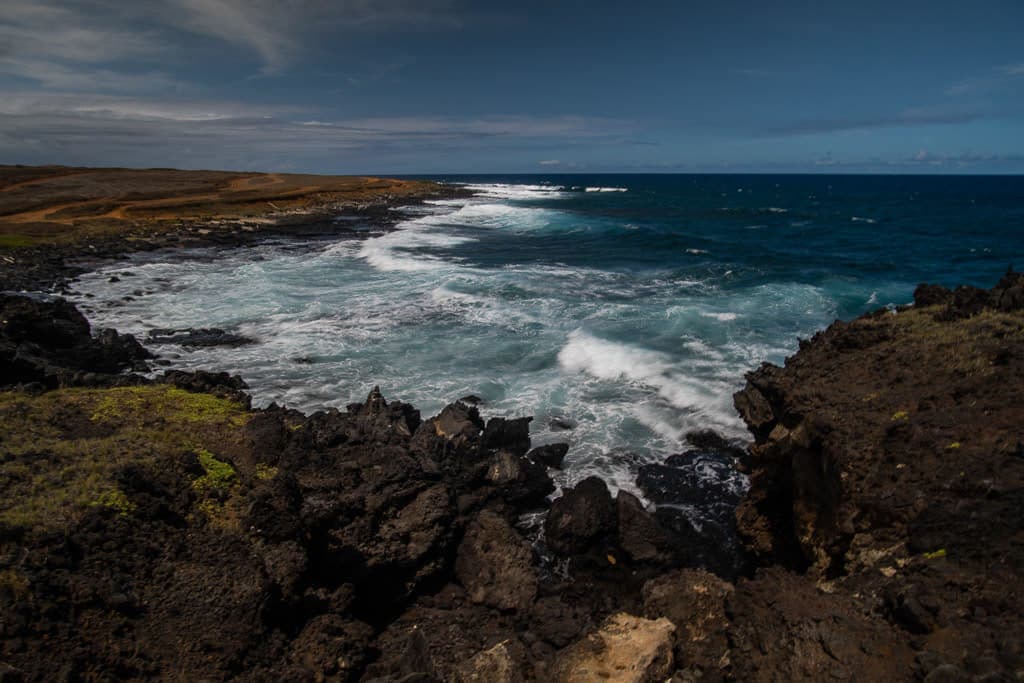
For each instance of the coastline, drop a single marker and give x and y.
(374, 544)
(223, 210)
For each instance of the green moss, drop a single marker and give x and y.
(219, 474)
(62, 449)
(116, 500)
(168, 403)
(954, 446)
(940, 553)
(899, 415)
(265, 472)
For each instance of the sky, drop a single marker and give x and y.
(446, 86)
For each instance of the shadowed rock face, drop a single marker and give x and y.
(50, 343)
(887, 464)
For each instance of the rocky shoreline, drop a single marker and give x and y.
(164, 529)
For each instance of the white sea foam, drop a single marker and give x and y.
(606, 189)
(724, 317)
(696, 251)
(859, 219)
(514, 192)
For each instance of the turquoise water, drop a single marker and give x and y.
(629, 305)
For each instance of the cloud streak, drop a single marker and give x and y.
(131, 131)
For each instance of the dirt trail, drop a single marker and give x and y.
(235, 187)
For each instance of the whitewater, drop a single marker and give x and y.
(620, 313)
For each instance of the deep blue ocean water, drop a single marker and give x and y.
(629, 305)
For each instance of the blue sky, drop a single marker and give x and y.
(442, 86)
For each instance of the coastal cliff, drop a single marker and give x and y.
(163, 528)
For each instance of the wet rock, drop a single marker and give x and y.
(495, 564)
(551, 455)
(471, 399)
(459, 423)
(582, 515)
(197, 337)
(562, 424)
(640, 535)
(627, 649)
(710, 440)
(510, 435)
(519, 480)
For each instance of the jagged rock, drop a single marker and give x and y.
(627, 649)
(459, 423)
(519, 480)
(49, 342)
(784, 628)
(502, 663)
(579, 517)
(509, 435)
(330, 646)
(551, 455)
(639, 533)
(217, 383)
(693, 600)
(495, 564)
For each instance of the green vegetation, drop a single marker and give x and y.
(219, 474)
(899, 415)
(171, 403)
(62, 449)
(265, 472)
(115, 500)
(938, 554)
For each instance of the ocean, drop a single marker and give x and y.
(627, 307)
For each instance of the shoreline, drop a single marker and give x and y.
(47, 260)
(164, 528)
(373, 543)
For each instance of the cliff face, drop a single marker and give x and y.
(888, 465)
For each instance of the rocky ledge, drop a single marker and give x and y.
(163, 529)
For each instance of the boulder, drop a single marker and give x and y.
(502, 663)
(551, 455)
(510, 435)
(626, 649)
(459, 423)
(693, 600)
(495, 564)
(639, 534)
(519, 480)
(582, 515)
